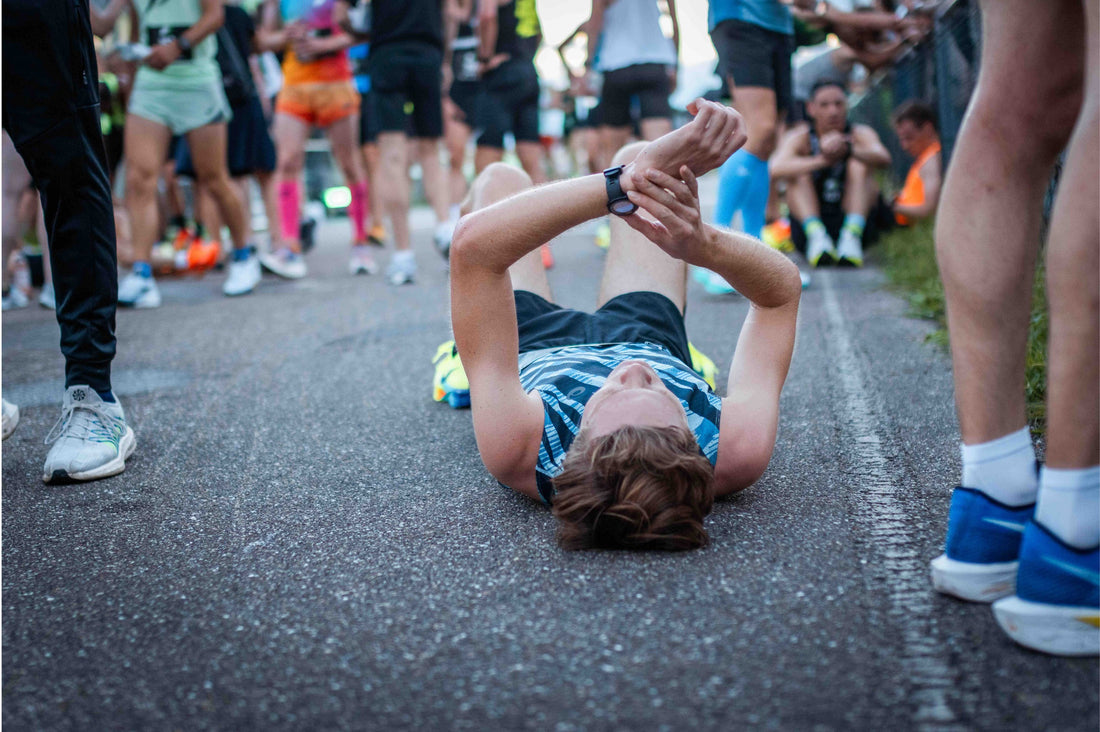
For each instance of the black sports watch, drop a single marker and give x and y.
(617, 202)
(184, 44)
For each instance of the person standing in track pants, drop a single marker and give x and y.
(51, 111)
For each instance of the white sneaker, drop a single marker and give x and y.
(16, 299)
(90, 440)
(444, 233)
(243, 277)
(361, 261)
(46, 297)
(10, 419)
(136, 291)
(849, 249)
(820, 249)
(402, 268)
(285, 264)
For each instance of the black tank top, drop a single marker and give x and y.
(829, 182)
(518, 29)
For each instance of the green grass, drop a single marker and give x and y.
(909, 259)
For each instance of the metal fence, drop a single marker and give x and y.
(941, 70)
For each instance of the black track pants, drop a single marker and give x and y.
(51, 111)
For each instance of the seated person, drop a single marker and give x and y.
(830, 189)
(915, 126)
(600, 414)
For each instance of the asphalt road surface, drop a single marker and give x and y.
(304, 540)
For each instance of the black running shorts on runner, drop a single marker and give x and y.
(408, 72)
(648, 82)
(755, 56)
(635, 317)
(369, 123)
(509, 102)
(464, 95)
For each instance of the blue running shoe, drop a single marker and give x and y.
(983, 545)
(1056, 608)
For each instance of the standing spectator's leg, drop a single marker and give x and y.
(15, 182)
(1054, 609)
(52, 116)
(146, 144)
(1027, 99)
(290, 134)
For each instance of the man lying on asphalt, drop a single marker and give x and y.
(600, 414)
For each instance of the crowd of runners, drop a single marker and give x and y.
(229, 96)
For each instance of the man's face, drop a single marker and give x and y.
(828, 109)
(633, 395)
(913, 139)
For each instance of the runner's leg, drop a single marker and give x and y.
(290, 134)
(209, 157)
(146, 144)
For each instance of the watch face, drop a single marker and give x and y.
(623, 207)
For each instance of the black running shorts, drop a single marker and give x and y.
(464, 95)
(755, 56)
(369, 124)
(408, 72)
(635, 317)
(648, 82)
(509, 102)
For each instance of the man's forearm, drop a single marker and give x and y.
(801, 165)
(763, 275)
(212, 18)
(497, 237)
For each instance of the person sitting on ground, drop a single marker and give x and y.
(599, 414)
(831, 191)
(915, 126)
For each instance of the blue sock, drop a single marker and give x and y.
(733, 180)
(143, 269)
(755, 202)
(855, 223)
(241, 255)
(107, 396)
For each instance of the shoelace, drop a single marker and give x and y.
(84, 422)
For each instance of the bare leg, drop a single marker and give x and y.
(758, 106)
(266, 181)
(612, 139)
(1023, 110)
(343, 136)
(209, 155)
(802, 198)
(395, 193)
(290, 134)
(371, 168)
(1073, 277)
(531, 158)
(486, 156)
(456, 133)
(655, 127)
(435, 184)
(635, 263)
(16, 180)
(860, 189)
(496, 183)
(146, 144)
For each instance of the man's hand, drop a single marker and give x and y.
(834, 146)
(163, 55)
(668, 213)
(701, 145)
(484, 67)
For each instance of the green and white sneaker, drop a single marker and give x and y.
(10, 418)
(91, 439)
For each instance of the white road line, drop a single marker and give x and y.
(881, 515)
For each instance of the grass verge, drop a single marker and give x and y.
(908, 258)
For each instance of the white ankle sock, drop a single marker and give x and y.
(1069, 505)
(1003, 469)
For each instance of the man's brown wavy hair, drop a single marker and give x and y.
(634, 488)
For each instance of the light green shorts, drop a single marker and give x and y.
(182, 106)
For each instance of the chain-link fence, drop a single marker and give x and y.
(941, 70)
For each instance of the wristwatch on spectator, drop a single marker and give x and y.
(183, 43)
(617, 201)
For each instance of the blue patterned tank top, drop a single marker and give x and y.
(566, 378)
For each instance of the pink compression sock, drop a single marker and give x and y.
(359, 208)
(289, 209)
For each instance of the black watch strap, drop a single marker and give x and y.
(617, 201)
